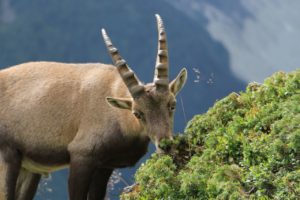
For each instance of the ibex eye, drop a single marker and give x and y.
(172, 106)
(138, 114)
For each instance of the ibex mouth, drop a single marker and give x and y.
(164, 145)
(159, 150)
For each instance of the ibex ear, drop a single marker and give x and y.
(123, 103)
(177, 84)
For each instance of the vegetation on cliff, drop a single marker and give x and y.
(247, 146)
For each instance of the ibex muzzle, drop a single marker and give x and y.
(55, 115)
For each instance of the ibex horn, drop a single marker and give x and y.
(130, 79)
(161, 75)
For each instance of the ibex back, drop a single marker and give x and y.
(89, 117)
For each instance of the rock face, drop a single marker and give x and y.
(247, 146)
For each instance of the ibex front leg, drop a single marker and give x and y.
(97, 189)
(27, 185)
(10, 163)
(81, 171)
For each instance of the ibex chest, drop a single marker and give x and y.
(123, 152)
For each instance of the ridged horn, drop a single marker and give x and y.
(161, 74)
(130, 79)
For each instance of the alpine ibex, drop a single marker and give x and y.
(89, 117)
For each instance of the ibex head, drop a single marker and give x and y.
(152, 104)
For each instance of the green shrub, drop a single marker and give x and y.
(247, 146)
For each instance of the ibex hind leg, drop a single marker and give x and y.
(27, 185)
(10, 163)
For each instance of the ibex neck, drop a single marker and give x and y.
(132, 126)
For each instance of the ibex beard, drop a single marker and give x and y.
(91, 118)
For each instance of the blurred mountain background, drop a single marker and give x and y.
(223, 44)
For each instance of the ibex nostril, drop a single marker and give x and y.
(164, 145)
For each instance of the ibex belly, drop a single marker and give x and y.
(38, 168)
